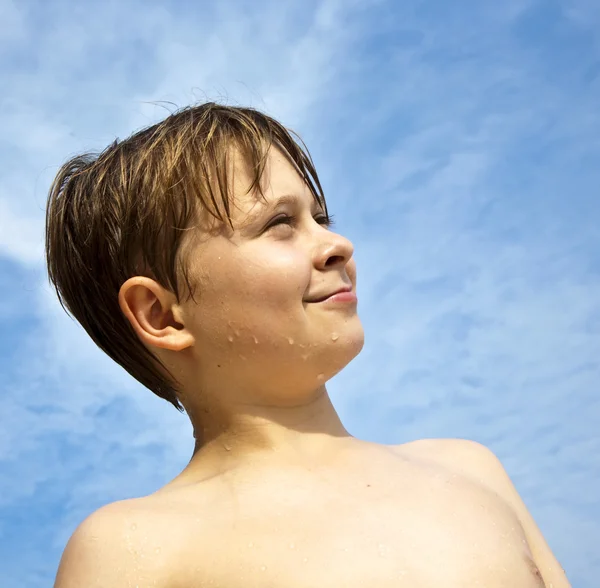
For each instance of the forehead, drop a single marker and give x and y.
(280, 182)
(279, 174)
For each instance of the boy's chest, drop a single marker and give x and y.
(438, 530)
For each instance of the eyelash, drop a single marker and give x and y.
(291, 220)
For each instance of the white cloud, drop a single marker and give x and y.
(21, 236)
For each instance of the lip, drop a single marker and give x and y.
(344, 294)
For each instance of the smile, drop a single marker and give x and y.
(340, 297)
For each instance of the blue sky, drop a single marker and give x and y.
(459, 147)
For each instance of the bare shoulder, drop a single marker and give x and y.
(118, 545)
(478, 463)
(462, 456)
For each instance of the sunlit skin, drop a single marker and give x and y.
(252, 350)
(278, 493)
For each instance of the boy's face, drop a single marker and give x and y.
(256, 326)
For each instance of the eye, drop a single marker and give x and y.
(326, 221)
(284, 219)
(281, 220)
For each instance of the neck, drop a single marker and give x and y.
(308, 433)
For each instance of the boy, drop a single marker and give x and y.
(198, 254)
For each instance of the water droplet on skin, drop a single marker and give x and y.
(305, 559)
(236, 333)
(292, 546)
(334, 336)
(250, 545)
(133, 526)
(305, 356)
(227, 447)
(255, 340)
(321, 377)
(230, 338)
(263, 568)
(243, 357)
(157, 550)
(290, 341)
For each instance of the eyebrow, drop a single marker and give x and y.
(264, 208)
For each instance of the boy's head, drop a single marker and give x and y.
(172, 250)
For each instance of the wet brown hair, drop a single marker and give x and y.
(124, 212)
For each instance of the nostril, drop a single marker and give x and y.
(334, 260)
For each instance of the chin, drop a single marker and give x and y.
(339, 353)
(355, 346)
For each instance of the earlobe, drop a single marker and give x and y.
(148, 308)
(178, 340)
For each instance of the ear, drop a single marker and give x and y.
(150, 310)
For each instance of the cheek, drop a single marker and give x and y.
(275, 276)
(272, 280)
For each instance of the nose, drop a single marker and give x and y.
(333, 250)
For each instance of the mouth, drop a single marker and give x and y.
(343, 294)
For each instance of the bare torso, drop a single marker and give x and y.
(385, 517)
